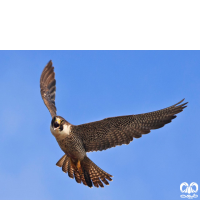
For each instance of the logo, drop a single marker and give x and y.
(190, 189)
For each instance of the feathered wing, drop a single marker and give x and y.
(48, 88)
(109, 132)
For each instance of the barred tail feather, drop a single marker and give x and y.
(89, 173)
(97, 174)
(60, 162)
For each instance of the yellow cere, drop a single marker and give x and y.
(58, 120)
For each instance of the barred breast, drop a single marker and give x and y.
(72, 145)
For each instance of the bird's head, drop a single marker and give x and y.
(57, 123)
(60, 128)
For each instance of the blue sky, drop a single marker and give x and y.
(92, 85)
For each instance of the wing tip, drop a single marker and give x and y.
(179, 103)
(50, 63)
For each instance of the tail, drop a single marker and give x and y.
(84, 171)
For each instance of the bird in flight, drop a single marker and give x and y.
(76, 141)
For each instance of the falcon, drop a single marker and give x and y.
(76, 141)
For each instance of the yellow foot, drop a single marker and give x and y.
(78, 165)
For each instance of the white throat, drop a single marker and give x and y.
(59, 135)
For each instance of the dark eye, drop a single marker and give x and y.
(56, 124)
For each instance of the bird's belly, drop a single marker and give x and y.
(72, 147)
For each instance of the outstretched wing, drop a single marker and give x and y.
(109, 132)
(48, 88)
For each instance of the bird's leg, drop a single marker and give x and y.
(78, 165)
